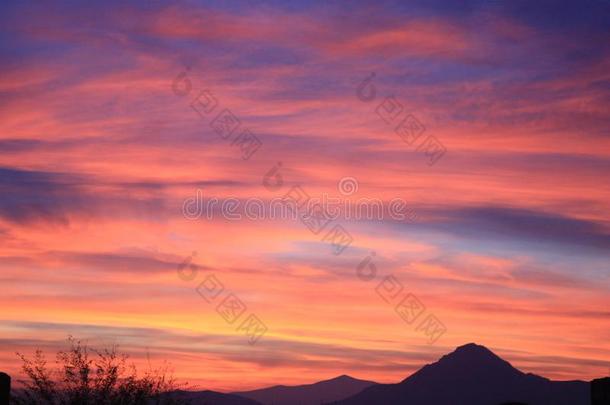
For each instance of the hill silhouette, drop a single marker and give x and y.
(473, 375)
(310, 394)
(212, 398)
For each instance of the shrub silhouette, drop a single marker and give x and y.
(80, 378)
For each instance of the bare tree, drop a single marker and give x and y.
(104, 378)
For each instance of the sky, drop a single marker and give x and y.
(111, 122)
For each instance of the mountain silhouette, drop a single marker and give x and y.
(311, 394)
(212, 398)
(472, 375)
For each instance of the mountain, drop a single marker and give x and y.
(310, 394)
(473, 375)
(212, 398)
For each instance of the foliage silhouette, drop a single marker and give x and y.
(86, 376)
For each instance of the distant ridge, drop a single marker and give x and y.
(212, 398)
(470, 375)
(310, 394)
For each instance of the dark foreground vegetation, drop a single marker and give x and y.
(85, 376)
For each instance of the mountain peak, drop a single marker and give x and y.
(473, 357)
(472, 374)
(474, 349)
(334, 389)
(343, 377)
(473, 352)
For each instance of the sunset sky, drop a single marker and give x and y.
(101, 149)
